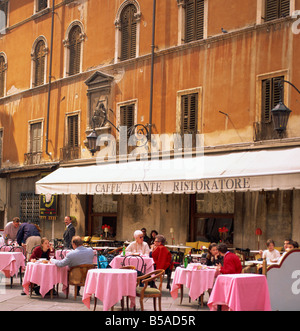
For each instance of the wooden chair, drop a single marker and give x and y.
(146, 291)
(77, 276)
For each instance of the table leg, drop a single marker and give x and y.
(95, 304)
(20, 275)
(181, 293)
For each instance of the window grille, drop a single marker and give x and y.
(29, 207)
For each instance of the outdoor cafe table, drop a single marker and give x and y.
(116, 263)
(109, 286)
(240, 292)
(197, 281)
(11, 262)
(46, 276)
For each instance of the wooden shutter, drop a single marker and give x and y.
(73, 140)
(127, 116)
(194, 20)
(2, 76)
(75, 50)
(35, 138)
(189, 112)
(39, 59)
(270, 97)
(128, 33)
(276, 9)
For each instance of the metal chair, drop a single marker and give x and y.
(139, 263)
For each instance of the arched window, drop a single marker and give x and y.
(39, 59)
(128, 33)
(75, 39)
(127, 30)
(3, 67)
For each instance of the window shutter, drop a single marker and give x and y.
(270, 97)
(39, 59)
(194, 20)
(127, 116)
(189, 111)
(276, 9)
(2, 76)
(75, 50)
(128, 33)
(73, 139)
(35, 138)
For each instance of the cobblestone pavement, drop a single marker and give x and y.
(12, 300)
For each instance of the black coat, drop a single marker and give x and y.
(68, 235)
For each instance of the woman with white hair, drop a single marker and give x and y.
(138, 246)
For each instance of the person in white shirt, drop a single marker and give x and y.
(138, 246)
(271, 254)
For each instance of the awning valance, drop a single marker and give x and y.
(255, 170)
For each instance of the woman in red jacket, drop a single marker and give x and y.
(162, 256)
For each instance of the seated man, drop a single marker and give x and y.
(80, 255)
(231, 264)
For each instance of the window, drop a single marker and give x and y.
(29, 207)
(271, 94)
(189, 113)
(73, 137)
(127, 115)
(75, 50)
(39, 63)
(3, 15)
(41, 4)
(276, 8)
(194, 20)
(36, 137)
(3, 67)
(128, 33)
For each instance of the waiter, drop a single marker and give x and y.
(69, 232)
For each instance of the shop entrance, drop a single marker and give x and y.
(212, 217)
(102, 212)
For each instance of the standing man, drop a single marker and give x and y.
(29, 236)
(11, 229)
(69, 232)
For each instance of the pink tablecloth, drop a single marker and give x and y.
(109, 286)
(10, 262)
(197, 281)
(116, 263)
(241, 292)
(46, 276)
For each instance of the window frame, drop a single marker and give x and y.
(3, 55)
(30, 124)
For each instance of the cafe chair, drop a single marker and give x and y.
(139, 263)
(77, 276)
(149, 292)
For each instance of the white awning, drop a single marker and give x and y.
(237, 171)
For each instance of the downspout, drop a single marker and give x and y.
(152, 69)
(50, 80)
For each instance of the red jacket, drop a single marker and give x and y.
(38, 252)
(232, 264)
(162, 257)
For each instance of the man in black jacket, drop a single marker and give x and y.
(69, 232)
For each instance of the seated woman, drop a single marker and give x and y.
(162, 256)
(138, 246)
(213, 257)
(42, 251)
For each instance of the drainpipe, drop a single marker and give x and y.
(152, 69)
(50, 80)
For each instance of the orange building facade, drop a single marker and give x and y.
(216, 72)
